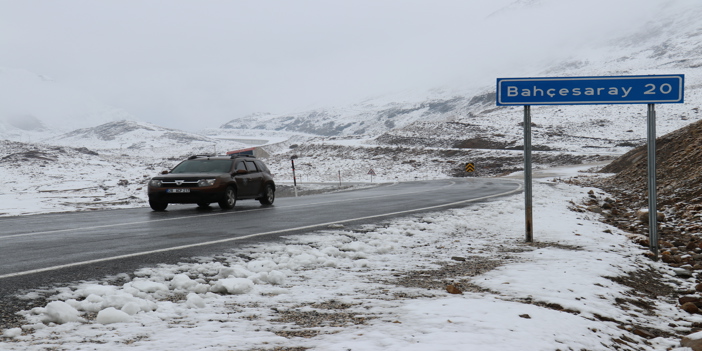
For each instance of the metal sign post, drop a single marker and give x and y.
(652, 193)
(527, 175)
(651, 90)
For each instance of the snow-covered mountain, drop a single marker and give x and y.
(369, 117)
(128, 135)
(451, 118)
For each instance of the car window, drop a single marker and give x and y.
(262, 167)
(203, 166)
(240, 166)
(251, 166)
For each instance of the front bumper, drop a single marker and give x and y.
(196, 195)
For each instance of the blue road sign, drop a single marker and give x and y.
(654, 89)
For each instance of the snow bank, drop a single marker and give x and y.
(60, 312)
(350, 288)
(112, 315)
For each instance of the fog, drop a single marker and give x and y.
(196, 64)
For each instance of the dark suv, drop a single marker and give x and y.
(203, 180)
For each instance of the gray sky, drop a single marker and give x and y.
(195, 64)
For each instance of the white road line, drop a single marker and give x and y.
(175, 248)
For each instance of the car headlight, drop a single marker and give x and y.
(206, 182)
(156, 183)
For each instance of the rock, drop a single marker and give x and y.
(682, 273)
(668, 258)
(453, 289)
(690, 307)
(642, 216)
(698, 287)
(640, 239)
(692, 342)
(595, 209)
(666, 244)
(685, 299)
(643, 333)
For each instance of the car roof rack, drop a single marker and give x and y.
(197, 156)
(233, 156)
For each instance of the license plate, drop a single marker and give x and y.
(178, 191)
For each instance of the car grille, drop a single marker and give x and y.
(175, 183)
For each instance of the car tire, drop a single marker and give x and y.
(268, 195)
(229, 199)
(158, 205)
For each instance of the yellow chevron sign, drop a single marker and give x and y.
(470, 167)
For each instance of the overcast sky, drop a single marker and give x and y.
(194, 64)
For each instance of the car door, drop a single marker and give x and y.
(255, 178)
(241, 177)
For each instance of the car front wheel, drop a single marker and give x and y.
(229, 199)
(158, 205)
(268, 195)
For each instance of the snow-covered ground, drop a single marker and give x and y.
(375, 287)
(383, 287)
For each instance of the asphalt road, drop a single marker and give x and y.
(42, 250)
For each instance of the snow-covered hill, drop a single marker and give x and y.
(451, 117)
(368, 117)
(137, 136)
(106, 166)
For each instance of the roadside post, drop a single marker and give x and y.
(650, 90)
(371, 173)
(292, 160)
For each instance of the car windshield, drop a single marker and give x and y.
(203, 166)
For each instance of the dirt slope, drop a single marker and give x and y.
(679, 169)
(679, 186)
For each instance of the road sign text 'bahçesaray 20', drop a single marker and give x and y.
(651, 90)
(654, 89)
